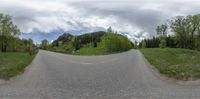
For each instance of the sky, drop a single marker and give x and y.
(137, 19)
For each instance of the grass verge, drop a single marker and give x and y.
(13, 63)
(91, 51)
(178, 63)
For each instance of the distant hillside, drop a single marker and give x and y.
(66, 37)
(84, 39)
(105, 42)
(91, 37)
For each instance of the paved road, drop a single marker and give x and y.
(119, 76)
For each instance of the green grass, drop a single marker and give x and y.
(90, 51)
(178, 63)
(13, 63)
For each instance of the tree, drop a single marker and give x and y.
(44, 44)
(115, 42)
(161, 30)
(162, 43)
(143, 44)
(109, 30)
(76, 43)
(7, 31)
(186, 30)
(198, 36)
(194, 25)
(182, 27)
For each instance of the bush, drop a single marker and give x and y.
(162, 43)
(115, 43)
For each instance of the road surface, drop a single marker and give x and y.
(118, 76)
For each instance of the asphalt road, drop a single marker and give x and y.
(119, 76)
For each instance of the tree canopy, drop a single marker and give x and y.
(186, 31)
(9, 40)
(8, 31)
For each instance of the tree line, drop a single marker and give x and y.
(186, 31)
(114, 42)
(9, 37)
(110, 41)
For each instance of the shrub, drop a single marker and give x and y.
(113, 42)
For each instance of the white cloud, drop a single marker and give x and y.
(136, 18)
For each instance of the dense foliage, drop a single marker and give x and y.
(97, 42)
(9, 40)
(68, 43)
(116, 43)
(186, 31)
(93, 38)
(13, 50)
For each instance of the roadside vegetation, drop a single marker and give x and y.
(174, 62)
(13, 63)
(90, 51)
(15, 53)
(96, 43)
(186, 31)
(175, 55)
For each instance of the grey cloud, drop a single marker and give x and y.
(136, 18)
(144, 19)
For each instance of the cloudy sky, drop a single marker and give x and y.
(47, 19)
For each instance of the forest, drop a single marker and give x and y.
(186, 34)
(9, 37)
(15, 53)
(100, 42)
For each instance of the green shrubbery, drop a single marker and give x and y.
(13, 63)
(9, 37)
(15, 53)
(91, 43)
(174, 62)
(186, 30)
(113, 42)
